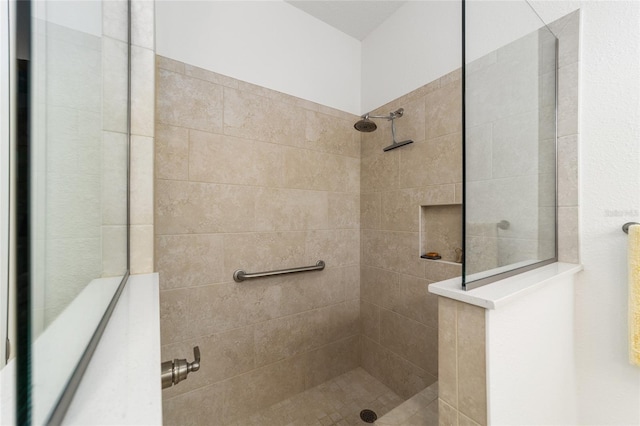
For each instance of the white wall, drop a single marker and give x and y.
(420, 42)
(269, 43)
(609, 388)
(530, 358)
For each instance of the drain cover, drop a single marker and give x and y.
(368, 416)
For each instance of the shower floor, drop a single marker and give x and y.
(335, 402)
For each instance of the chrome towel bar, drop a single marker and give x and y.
(240, 275)
(626, 226)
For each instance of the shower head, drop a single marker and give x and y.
(395, 145)
(365, 125)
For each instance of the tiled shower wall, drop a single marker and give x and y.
(248, 178)
(399, 316)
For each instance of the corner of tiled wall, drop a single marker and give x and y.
(142, 136)
(567, 30)
(399, 319)
(462, 368)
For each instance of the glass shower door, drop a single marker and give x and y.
(510, 141)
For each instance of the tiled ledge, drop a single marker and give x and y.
(499, 293)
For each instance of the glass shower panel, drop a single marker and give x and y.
(77, 160)
(510, 141)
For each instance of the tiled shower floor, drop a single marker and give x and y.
(335, 402)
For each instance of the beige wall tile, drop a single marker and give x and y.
(115, 20)
(331, 134)
(459, 193)
(171, 152)
(210, 76)
(189, 102)
(283, 338)
(381, 171)
(440, 271)
(401, 209)
(370, 320)
(443, 110)
(114, 85)
(568, 96)
(403, 377)
(114, 258)
(142, 25)
(223, 355)
(472, 383)
(169, 64)
(195, 408)
(350, 277)
(260, 388)
(568, 243)
(370, 210)
(226, 159)
(335, 247)
(466, 421)
(447, 351)
(141, 180)
(190, 260)
(306, 169)
(376, 284)
(448, 416)
(291, 209)
(331, 361)
(412, 300)
(142, 87)
(259, 118)
(568, 171)
(434, 162)
(395, 251)
(193, 207)
(141, 249)
(344, 210)
(411, 340)
(114, 178)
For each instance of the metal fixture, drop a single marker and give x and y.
(503, 224)
(368, 416)
(626, 226)
(459, 254)
(366, 125)
(173, 372)
(240, 275)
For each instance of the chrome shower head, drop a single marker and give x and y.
(365, 125)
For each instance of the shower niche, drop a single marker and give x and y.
(441, 232)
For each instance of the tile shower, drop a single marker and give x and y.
(249, 178)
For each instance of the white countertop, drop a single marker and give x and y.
(496, 294)
(121, 385)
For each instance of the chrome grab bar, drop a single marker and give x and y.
(240, 275)
(626, 226)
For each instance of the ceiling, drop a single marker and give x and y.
(355, 18)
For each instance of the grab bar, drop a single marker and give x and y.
(240, 275)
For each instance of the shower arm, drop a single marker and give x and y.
(392, 116)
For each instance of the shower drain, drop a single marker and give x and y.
(368, 416)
